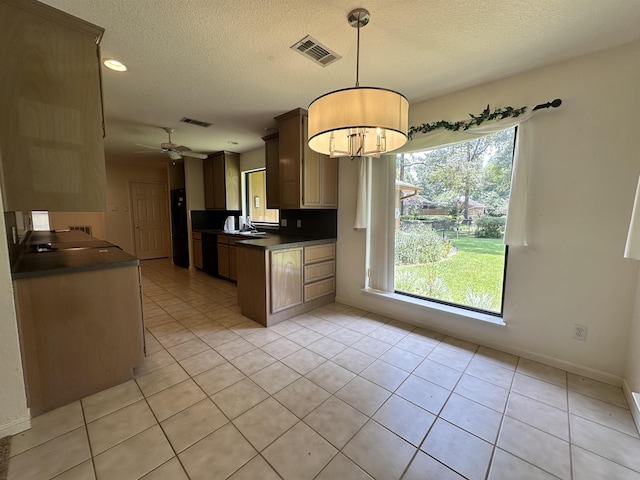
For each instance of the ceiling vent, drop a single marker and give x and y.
(318, 53)
(200, 123)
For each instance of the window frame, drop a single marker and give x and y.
(429, 301)
(247, 200)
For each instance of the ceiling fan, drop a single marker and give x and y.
(175, 152)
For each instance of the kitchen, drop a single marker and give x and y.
(602, 354)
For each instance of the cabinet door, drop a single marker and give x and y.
(197, 253)
(312, 179)
(286, 279)
(232, 181)
(272, 164)
(233, 262)
(51, 116)
(207, 166)
(223, 260)
(218, 182)
(329, 182)
(290, 154)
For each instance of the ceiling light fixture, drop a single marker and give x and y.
(359, 121)
(114, 65)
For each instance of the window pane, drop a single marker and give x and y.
(451, 206)
(256, 185)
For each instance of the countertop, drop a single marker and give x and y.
(271, 241)
(76, 252)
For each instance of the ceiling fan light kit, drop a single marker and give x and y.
(358, 121)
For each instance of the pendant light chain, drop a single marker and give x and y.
(358, 56)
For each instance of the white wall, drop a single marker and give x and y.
(118, 219)
(14, 414)
(582, 186)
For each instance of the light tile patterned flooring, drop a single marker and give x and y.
(336, 394)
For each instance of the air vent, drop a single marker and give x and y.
(314, 50)
(81, 228)
(200, 123)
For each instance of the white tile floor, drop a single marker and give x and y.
(335, 394)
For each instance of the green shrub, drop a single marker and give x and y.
(490, 227)
(420, 244)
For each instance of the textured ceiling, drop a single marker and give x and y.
(228, 62)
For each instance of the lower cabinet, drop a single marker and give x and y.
(280, 283)
(80, 333)
(227, 257)
(197, 250)
(286, 275)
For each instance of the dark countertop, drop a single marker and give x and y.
(271, 241)
(77, 252)
(277, 241)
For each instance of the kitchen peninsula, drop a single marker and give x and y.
(79, 308)
(281, 276)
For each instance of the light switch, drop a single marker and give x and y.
(299, 223)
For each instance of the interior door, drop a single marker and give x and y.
(150, 219)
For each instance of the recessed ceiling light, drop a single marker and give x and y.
(114, 65)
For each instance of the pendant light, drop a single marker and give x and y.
(359, 121)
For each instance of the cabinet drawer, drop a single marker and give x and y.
(197, 236)
(319, 253)
(319, 289)
(318, 271)
(223, 239)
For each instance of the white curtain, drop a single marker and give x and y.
(516, 228)
(632, 247)
(361, 220)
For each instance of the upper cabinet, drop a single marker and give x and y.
(222, 181)
(307, 178)
(272, 164)
(51, 124)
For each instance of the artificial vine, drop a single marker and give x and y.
(476, 120)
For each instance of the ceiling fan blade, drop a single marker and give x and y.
(201, 156)
(149, 146)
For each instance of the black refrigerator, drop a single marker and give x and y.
(179, 229)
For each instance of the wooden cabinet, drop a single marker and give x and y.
(307, 178)
(319, 271)
(80, 332)
(227, 256)
(51, 123)
(277, 284)
(272, 163)
(197, 250)
(286, 279)
(222, 181)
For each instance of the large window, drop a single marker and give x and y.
(451, 206)
(256, 200)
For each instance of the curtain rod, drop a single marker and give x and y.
(555, 104)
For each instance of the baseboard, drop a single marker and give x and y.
(633, 399)
(15, 427)
(529, 355)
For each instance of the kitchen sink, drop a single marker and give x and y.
(252, 234)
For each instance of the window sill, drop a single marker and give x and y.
(433, 306)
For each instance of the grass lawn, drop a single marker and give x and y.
(471, 276)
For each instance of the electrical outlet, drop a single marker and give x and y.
(283, 222)
(579, 331)
(299, 223)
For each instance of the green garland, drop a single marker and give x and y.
(476, 120)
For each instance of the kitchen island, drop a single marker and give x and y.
(282, 276)
(79, 308)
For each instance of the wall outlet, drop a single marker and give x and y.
(283, 222)
(579, 331)
(299, 223)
